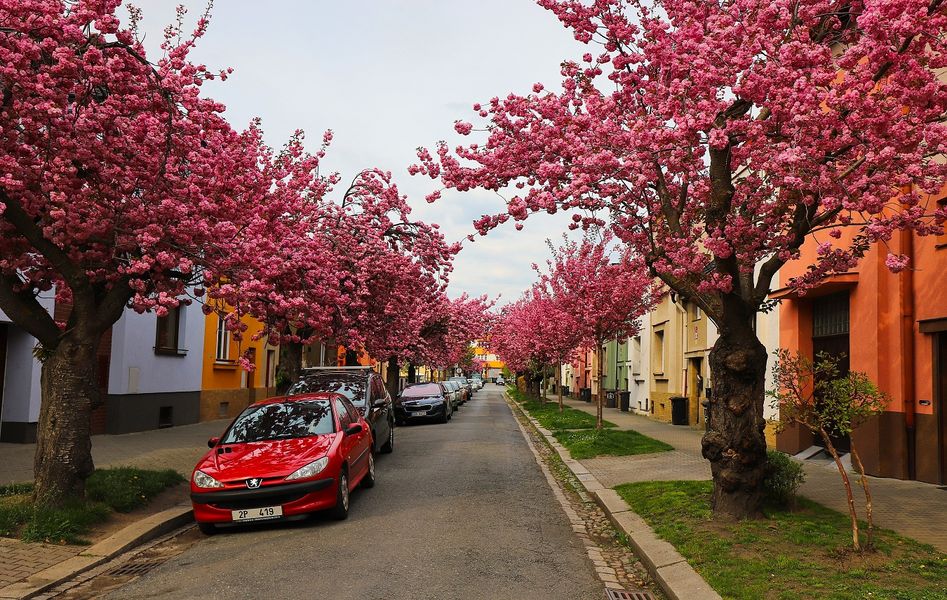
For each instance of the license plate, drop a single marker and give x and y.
(419, 413)
(258, 514)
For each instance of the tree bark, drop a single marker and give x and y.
(393, 376)
(870, 542)
(290, 365)
(734, 443)
(412, 373)
(559, 386)
(600, 399)
(848, 487)
(70, 391)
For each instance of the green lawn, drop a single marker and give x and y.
(122, 489)
(548, 414)
(608, 442)
(794, 555)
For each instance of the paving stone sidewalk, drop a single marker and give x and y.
(175, 448)
(914, 509)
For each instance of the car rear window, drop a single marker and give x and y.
(285, 420)
(419, 391)
(350, 386)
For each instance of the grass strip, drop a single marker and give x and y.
(788, 555)
(549, 416)
(608, 442)
(121, 489)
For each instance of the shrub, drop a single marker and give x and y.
(783, 478)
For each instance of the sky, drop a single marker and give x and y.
(388, 76)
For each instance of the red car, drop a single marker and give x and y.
(283, 458)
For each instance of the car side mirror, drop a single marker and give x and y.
(213, 442)
(353, 429)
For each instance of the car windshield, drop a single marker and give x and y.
(281, 421)
(421, 391)
(351, 386)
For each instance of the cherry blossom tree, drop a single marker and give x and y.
(716, 138)
(605, 291)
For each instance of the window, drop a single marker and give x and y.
(287, 420)
(657, 353)
(344, 418)
(696, 312)
(167, 330)
(223, 340)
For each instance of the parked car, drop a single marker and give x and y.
(364, 388)
(424, 401)
(500, 380)
(456, 393)
(465, 386)
(478, 381)
(283, 458)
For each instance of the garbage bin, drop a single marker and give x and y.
(611, 398)
(585, 394)
(624, 401)
(679, 412)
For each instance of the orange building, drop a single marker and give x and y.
(893, 327)
(226, 388)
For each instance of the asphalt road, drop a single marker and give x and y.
(460, 510)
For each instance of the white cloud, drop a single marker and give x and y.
(388, 76)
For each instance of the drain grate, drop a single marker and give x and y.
(611, 594)
(134, 568)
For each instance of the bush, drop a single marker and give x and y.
(124, 488)
(784, 475)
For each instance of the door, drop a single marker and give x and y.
(940, 406)
(3, 365)
(830, 335)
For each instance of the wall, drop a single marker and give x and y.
(146, 389)
(877, 308)
(226, 389)
(21, 383)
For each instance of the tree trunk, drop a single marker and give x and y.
(393, 376)
(559, 385)
(70, 391)
(734, 443)
(848, 487)
(412, 373)
(870, 542)
(600, 399)
(351, 358)
(290, 366)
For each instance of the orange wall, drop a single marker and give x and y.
(220, 375)
(875, 316)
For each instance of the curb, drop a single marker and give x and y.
(135, 534)
(677, 579)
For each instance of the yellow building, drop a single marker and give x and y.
(226, 388)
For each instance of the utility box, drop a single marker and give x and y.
(679, 410)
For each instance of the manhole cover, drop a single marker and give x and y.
(134, 568)
(611, 594)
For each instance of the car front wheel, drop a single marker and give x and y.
(341, 510)
(207, 528)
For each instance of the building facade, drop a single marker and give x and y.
(19, 381)
(892, 327)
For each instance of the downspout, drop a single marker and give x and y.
(906, 285)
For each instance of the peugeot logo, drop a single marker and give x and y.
(254, 483)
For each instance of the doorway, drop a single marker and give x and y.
(830, 336)
(940, 400)
(3, 364)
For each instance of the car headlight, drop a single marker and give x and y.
(310, 470)
(203, 480)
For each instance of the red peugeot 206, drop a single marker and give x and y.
(283, 458)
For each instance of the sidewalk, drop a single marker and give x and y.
(909, 507)
(175, 448)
